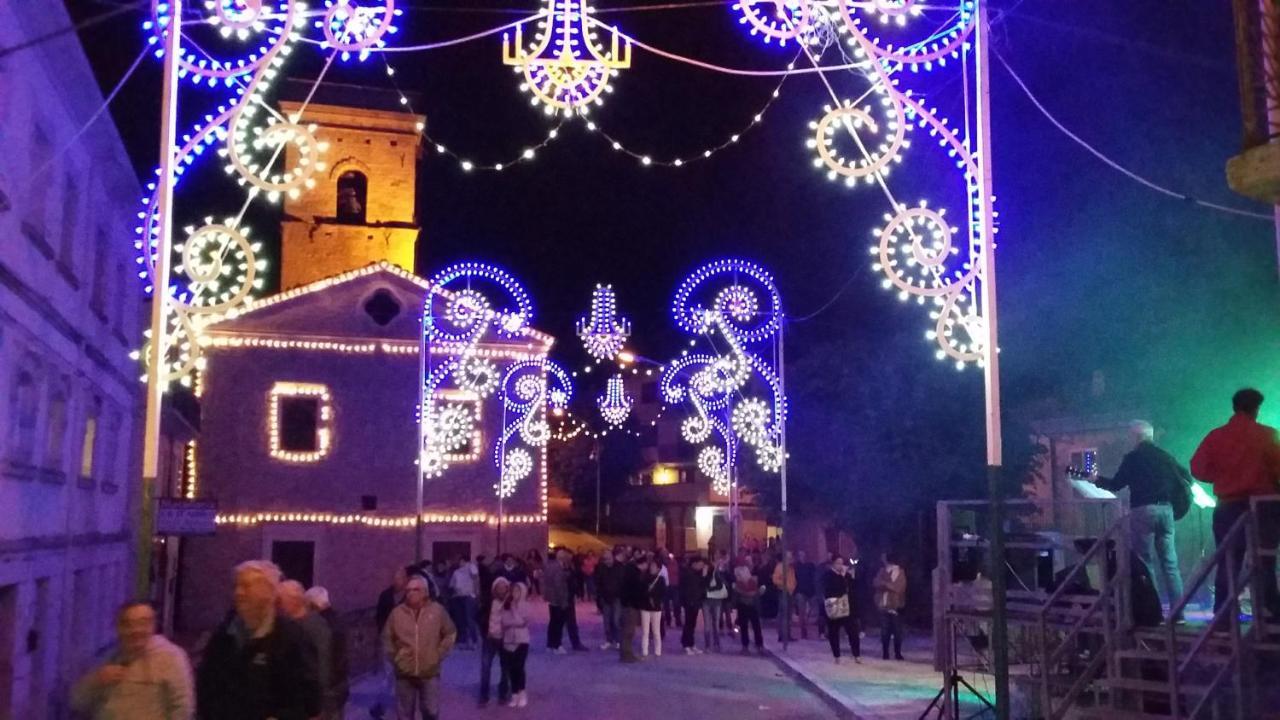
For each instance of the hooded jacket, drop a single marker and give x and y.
(156, 685)
(417, 641)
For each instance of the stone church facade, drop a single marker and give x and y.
(309, 398)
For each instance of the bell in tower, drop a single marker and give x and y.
(361, 209)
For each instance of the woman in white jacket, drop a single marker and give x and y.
(515, 643)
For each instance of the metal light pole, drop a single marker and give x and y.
(157, 372)
(424, 425)
(991, 366)
(782, 478)
(598, 460)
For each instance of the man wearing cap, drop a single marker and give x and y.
(418, 636)
(335, 687)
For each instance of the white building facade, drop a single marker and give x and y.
(70, 308)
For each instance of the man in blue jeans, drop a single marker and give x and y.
(1151, 475)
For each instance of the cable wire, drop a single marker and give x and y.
(1117, 166)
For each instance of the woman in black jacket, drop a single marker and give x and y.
(651, 613)
(841, 611)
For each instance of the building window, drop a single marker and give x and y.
(382, 307)
(353, 188)
(98, 292)
(119, 301)
(56, 437)
(89, 442)
(40, 157)
(22, 406)
(300, 419)
(70, 221)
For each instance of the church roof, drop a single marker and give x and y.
(342, 307)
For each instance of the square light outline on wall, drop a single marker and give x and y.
(324, 424)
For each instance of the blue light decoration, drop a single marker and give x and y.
(736, 305)
(466, 301)
(529, 388)
(235, 49)
(565, 68)
(615, 406)
(603, 332)
(918, 249)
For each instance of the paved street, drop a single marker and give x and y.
(595, 686)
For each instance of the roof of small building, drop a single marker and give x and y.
(319, 310)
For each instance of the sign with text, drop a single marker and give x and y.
(175, 516)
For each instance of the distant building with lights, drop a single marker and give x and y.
(309, 398)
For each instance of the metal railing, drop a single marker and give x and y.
(1236, 540)
(1109, 606)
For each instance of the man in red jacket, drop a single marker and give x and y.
(1241, 460)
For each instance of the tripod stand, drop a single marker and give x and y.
(948, 696)
(951, 689)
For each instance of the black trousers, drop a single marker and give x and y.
(749, 616)
(850, 627)
(562, 617)
(890, 627)
(1224, 516)
(690, 625)
(513, 663)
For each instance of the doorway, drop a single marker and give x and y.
(296, 559)
(450, 550)
(8, 646)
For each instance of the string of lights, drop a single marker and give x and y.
(465, 164)
(647, 158)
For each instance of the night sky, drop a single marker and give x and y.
(1175, 304)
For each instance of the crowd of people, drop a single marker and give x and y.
(282, 653)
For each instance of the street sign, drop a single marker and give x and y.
(175, 516)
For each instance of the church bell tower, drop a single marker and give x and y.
(361, 209)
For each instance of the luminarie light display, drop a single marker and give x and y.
(615, 406)
(735, 304)
(858, 141)
(466, 301)
(565, 68)
(603, 332)
(237, 48)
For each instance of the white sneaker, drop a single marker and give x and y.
(696, 651)
(606, 646)
(560, 651)
(688, 651)
(514, 701)
(524, 699)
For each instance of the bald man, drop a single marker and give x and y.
(146, 678)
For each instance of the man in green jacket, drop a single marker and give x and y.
(417, 637)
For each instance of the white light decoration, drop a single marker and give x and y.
(565, 68)
(604, 333)
(324, 420)
(615, 406)
(877, 144)
(400, 522)
(711, 463)
(516, 467)
(751, 421)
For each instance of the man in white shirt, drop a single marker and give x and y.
(464, 583)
